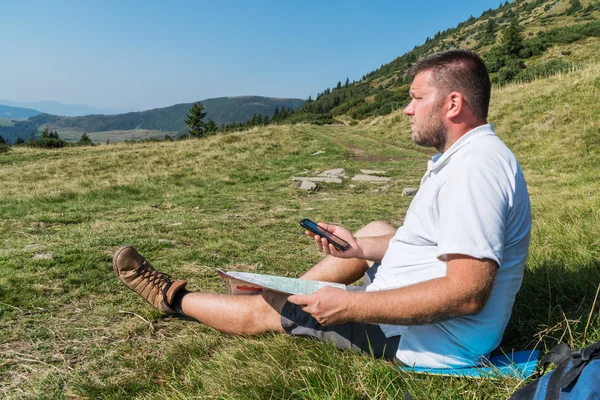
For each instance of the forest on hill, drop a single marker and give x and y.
(512, 38)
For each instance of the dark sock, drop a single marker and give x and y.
(176, 305)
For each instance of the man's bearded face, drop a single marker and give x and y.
(425, 112)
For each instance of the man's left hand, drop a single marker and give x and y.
(329, 305)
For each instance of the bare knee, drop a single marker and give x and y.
(375, 228)
(264, 316)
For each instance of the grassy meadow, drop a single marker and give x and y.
(70, 329)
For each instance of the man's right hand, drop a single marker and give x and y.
(354, 251)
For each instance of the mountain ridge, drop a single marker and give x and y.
(171, 120)
(10, 112)
(68, 110)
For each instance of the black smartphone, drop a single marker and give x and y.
(336, 241)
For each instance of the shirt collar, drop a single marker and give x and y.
(438, 161)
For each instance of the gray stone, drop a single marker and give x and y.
(317, 179)
(370, 178)
(308, 185)
(31, 246)
(372, 172)
(177, 224)
(316, 153)
(43, 256)
(166, 241)
(334, 173)
(351, 186)
(409, 191)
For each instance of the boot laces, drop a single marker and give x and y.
(153, 276)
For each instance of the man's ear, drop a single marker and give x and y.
(455, 103)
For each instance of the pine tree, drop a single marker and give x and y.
(347, 82)
(2, 141)
(490, 26)
(19, 140)
(197, 127)
(339, 85)
(85, 140)
(275, 116)
(211, 128)
(512, 41)
(575, 6)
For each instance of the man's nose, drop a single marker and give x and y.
(409, 109)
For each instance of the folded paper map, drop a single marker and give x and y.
(248, 283)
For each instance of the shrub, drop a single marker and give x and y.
(543, 70)
(48, 143)
(4, 148)
(510, 71)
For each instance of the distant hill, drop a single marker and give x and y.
(556, 34)
(68, 110)
(8, 112)
(222, 110)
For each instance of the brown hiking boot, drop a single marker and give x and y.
(139, 275)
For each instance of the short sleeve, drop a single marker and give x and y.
(472, 208)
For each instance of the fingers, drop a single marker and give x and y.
(298, 299)
(327, 227)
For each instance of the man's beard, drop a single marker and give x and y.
(432, 133)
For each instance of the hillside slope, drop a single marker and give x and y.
(223, 110)
(228, 202)
(539, 27)
(9, 112)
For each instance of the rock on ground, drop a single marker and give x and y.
(409, 191)
(372, 172)
(307, 185)
(370, 178)
(43, 256)
(333, 173)
(317, 179)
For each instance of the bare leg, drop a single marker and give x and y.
(347, 270)
(253, 314)
(236, 314)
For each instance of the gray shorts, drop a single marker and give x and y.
(363, 337)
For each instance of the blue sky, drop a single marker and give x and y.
(148, 54)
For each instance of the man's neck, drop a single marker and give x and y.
(456, 131)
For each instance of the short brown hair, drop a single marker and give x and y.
(460, 71)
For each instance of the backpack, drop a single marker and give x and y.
(577, 375)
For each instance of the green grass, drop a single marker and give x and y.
(69, 329)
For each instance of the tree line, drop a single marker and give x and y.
(48, 139)
(198, 128)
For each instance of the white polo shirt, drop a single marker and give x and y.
(472, 200)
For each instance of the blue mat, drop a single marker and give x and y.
(519, 364)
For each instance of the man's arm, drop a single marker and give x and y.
(463, 291)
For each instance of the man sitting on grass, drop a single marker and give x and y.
(438, 291)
